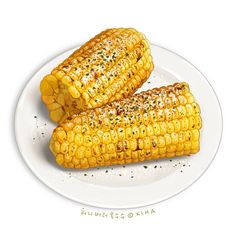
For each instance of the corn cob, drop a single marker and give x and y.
(158, 123)
(111, 66)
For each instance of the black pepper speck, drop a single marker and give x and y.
(145, 167)
(85, 174)
(155, 166)
(106, 171)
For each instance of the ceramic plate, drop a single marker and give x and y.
(126, 186)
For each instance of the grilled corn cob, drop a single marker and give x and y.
(111, 66)
(158, 123)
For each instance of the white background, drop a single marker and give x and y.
(31, 32)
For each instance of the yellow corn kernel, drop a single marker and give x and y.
(155, 153)
(92, 161)
(80, 152)
(74, 92)
(128, 133)
(133, 144)
(195, 134)
(162, 150)
(147, 143)
(84, 163)
(88, 152)
(65, 147)
(177, 125)
(66, 80)
(150, 131)
(142, 131)
(70, 136)
(135, 132)
(72, 149)
(170, 127)
(163, 127)
(134, 157)
(157, 129)
(67, 158)
(121, 133)
(96, 151)
(60, 159)
(76, 162)
(174, 138)
(87, 141)
(140, 144)
(171, 148)
(184, 123)
(56, 147)
(161, 141)
(111, 148)
(180, 147)
(106, 138)
(187, 146)
(79, 139)
(198, 122)
(195, 145)
(114, 136)
(61, 136)
(167, 139)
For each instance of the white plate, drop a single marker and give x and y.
(132, 185)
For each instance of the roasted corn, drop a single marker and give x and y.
(158, 123)
(111, 66)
